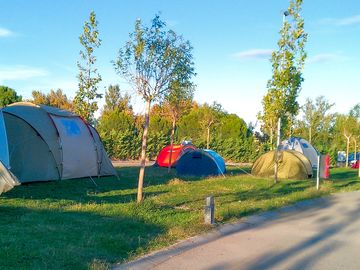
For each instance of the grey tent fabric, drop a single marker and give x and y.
(7, 179)
(43, 143)
(303, 146)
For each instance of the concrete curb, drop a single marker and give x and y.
(155, 258)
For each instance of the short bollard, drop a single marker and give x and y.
(209, 210)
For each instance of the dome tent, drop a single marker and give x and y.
(303, 146)
(292, 165)
(42, 143)
(200, 163)
(163, 157)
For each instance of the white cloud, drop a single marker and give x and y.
(5, 32)
(352, 20)
(325, 57)
(16, 73)
(254, 54)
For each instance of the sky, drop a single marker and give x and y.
(232, 40)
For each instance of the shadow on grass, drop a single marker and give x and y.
(54, 239)
(343, 174)
(106, 190)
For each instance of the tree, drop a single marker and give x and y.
(347, 126)
(287, 65)
(317, 122)
(85, 100)
(210, 116)
(176, 104)
(8, 96)
(114, 100)
(151, 61)
(54, 98)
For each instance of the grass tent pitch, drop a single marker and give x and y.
(200, 163)
(292, 165)
(42, 143)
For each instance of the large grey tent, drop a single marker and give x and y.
(42, 143)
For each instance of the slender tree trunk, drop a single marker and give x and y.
(143, 153)
(355, 152)
(271, 138)
(171, 143)
(208, 138)
(347, 151)
(310, 134)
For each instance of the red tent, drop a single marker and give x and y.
(163, 157)
(355, 165)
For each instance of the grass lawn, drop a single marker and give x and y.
(75, 225)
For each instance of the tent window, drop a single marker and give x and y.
(196, 155)
(71, 128)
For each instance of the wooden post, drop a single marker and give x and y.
(209, 210)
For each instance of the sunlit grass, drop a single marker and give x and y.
(75, 225)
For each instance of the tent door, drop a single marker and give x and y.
(4, 149)
(78, 151)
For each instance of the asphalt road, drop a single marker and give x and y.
(317, 234)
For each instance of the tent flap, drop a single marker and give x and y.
(7, 179)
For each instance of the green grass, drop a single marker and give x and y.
(75, 225)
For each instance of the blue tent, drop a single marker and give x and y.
(200, 163)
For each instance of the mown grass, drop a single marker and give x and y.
(75, 225)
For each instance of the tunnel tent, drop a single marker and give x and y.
(42, 143)
(199, 163)
(163, 158)
(303, 146)
(292, 165)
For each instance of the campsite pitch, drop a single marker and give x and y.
(73, 224)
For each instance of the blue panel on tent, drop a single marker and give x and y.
(305, 145)
(219, 160)
(71, 127)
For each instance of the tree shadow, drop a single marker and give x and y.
(96, 190)
(329, 228)
(65, 239)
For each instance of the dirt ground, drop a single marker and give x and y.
(130, 163)
(135, 163)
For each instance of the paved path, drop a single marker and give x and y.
(317, 234)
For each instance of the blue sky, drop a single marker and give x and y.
(232, 40)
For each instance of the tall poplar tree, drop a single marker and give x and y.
(287, 65)
(85, 103)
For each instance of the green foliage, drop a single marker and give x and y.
(317, 123)
(53, 98)
(8, 96)
(115, 100)
(154, 59)
(285, 83)
(121, 144)
(85, 103)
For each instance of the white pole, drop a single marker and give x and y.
(318, 173)
(277, 151)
